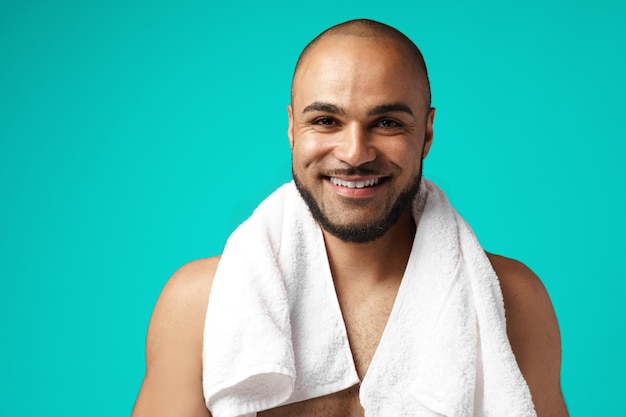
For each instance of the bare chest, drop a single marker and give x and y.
(340, 404)
(365, 318)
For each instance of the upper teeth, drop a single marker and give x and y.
(355, 184)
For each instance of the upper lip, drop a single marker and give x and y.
(356, 177)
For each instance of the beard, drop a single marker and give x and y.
(361, 232)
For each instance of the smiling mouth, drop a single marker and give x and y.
(355, 184)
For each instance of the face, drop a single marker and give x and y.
(359, 129)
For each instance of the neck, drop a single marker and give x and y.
(381, 260)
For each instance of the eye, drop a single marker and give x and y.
(388, 124)
(324, 121)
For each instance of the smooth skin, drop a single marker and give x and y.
(345, 113)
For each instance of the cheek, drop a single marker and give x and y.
(405, 154)
(308, 150)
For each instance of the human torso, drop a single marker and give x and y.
(341, 404)
(365, 315)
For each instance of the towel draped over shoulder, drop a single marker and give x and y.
(274, 332)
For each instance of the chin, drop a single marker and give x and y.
(361, 232)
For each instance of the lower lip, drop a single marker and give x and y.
(354, 192)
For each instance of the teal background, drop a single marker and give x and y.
(136, 135)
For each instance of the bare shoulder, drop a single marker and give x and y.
(173, 380)
(521, 288)
(533, 332)
(185, 295)
(182, 305)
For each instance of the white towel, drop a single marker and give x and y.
(274, 333)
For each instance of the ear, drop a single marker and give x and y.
(290, 125)
(429, 132)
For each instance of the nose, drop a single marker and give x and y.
(354, 147)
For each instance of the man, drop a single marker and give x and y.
(360, 124)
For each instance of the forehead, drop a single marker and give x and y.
(358, 69)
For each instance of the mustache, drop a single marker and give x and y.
(362, 170)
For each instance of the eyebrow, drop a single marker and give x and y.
(390, 108)
(323, 107)
(376, 111)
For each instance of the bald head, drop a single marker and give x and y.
(364, 28)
